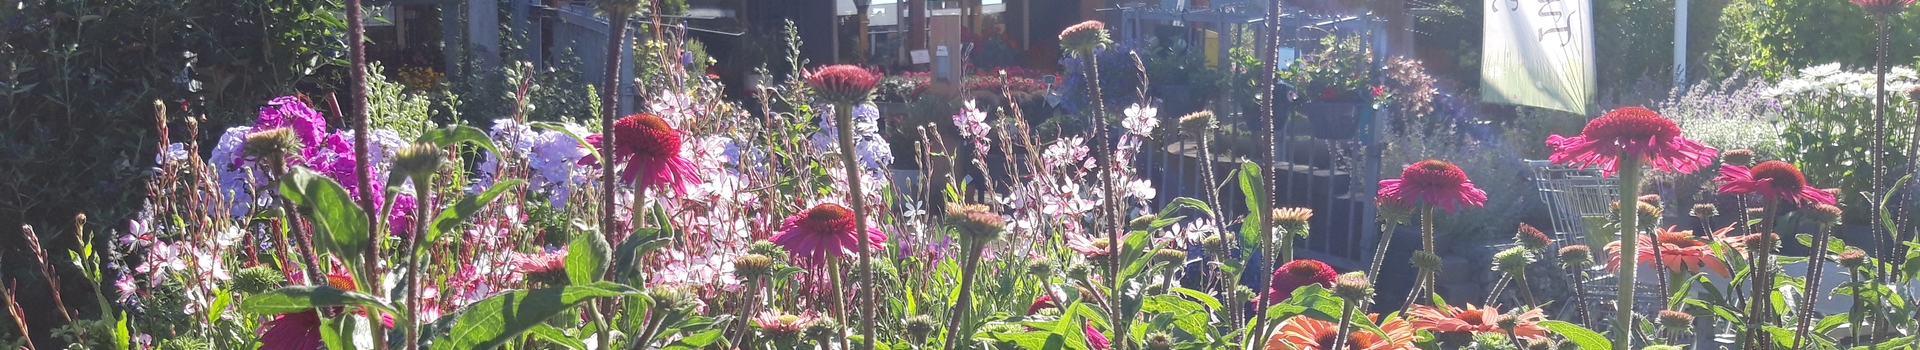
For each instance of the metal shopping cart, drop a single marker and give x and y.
(1578, 201)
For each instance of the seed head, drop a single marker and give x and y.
(1824, 214)
(1578, 255)
(1675, 320)
(1198, 123)
(751, 266)
(1740, 157)
(1353, 286)
(1169, 256)
(419, 160)
(1426, 260)
(1705, 210)
(274, 143)
(1159, 341)
(1532, 238)
(1853, 258)
(919, 326)
(976, 222)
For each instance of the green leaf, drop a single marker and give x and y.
(1585, 338)
(556, 336)
(1032, 340)
(454, 134)
(451, 218)
(1252, 228)
(122, 334)
(577, 138)
(220, 300)
(1185, 202)
(1680, 292)
(302, 298)
(1209, 300)
(1829, 323)
(695, 341)
(587, 257)
(340, 226)
(498, 319)
(1132, 254)
(645, 240)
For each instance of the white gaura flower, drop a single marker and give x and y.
(1141, 119)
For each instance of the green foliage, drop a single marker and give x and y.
(500, 318)
(303, 298)
(339, 226)
(1774, 37)
(391, 106)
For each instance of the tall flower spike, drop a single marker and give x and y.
(651, 149)
(1636, 132)
(844, 84)
(1774, 180)
(1433, 182)
(823, 231)
(1085, 37)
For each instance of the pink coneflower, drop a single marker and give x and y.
(1635, 132)
(843, 84)
(651, 149)
(1883, 7)
(1095, 340)
(1435, 183)
(775, 324)
(824, 231)
(547, 267)
(1296, 274)
(1772, 179)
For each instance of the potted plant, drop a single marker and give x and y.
(1335, 89)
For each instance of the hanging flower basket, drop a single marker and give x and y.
(1335, 120)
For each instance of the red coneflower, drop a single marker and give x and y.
(1636, 132)
(1883, 7)
(1532, 238)
(1432, 182)
(651, 149)
(1772, 179)
(1095, 340)
(1679, 251)
(1296, 274)
(1306, 333)
(826, 230)
(301, 330)
(843, 84)
(1471, 319)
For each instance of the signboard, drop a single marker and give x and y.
(1538, 53)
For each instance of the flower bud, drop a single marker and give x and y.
(1040, 267)
(1675, 320)
(1532, 238)
(1705, 210)
(1740, 157)
(1395, 212)
(1578, 255)
(751, 266)
(1426, 260)
(976, 223)
(1142, 223)
(1198, 123)
(1159, 341)
(419, 160)
(1853, 258)
(1083, 38)
(1824, 214)
(1507, 322)
(1512, 261)
(1169, 256)
(823, 330)
(257, 279)
(1213, 244)
(919, 326)
(1353, 286)
(274, 143)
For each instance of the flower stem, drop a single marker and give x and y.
(858, 198)
(422, 192)
(1346, 324)
(1816, 261)
(839, 295)
(1578, 275)
(1380, 250)
(1426, 236)
(609, 106)
(1110, 202)
(964, 303)
(1526, 292)
(1629, 168)
(1211, 188)
(746, 311)
(1762, 275)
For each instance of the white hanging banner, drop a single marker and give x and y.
(1538, 53)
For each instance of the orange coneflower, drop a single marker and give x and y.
(1306, 333)
(1471, 319)
(1678, 250)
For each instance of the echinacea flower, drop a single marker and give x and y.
(1883, 7)
(1772, 179)
(1435, 183)
(781, 325)
(1306, 333)
(1095, 249)
(823, 231)
(301, 330)
(651, 149)
(1679, 251)
(1095, 340)
(1085, 37)
(1471, 319)
(1296, 274)
(545, 267)
(1632, 132)
(844, 84)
